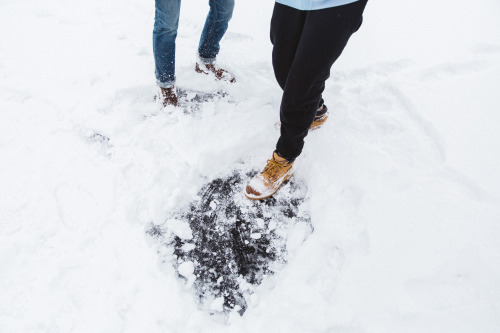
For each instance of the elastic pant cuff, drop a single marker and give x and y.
(289, 160)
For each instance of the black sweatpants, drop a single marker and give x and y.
(305, 46)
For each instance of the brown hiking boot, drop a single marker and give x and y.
(265, 184)
(321, 117)
(168, 96)
(220, 74)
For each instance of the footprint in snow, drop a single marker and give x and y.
(225, 245)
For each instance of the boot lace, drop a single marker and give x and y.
(273, 168)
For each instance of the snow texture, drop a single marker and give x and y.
(237, 242)
(403, 181)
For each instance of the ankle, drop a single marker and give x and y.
(284, 158)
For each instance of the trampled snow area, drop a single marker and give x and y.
(403, 181)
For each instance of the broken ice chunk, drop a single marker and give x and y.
(180, 228)
(188, 247)
(186, 269)
(217, 304)
(272, 225)
(255, 235)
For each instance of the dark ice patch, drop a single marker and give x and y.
(97, 137)
(100, 141)
(236, 242)
(193, 101)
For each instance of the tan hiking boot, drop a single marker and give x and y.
(168, 96)
(265, 184)
(220, 74)
(321, 117)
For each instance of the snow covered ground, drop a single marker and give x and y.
(403, 180)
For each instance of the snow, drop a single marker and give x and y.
(180, 228)
(403, 179)
(186, 269)
(256, 235)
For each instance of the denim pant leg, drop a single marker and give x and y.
(216, 25)
(164, 35)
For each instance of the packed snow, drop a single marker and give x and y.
(403, 180)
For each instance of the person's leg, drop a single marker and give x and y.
(326, 33)
(215, 27)
(164, 35)
(323, 38)
(287, 24)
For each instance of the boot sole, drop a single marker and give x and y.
(311, 129)
(270, 195)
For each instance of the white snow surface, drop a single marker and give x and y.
(180, 228)
(403, 179)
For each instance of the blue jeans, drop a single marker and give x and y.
(165, 32)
